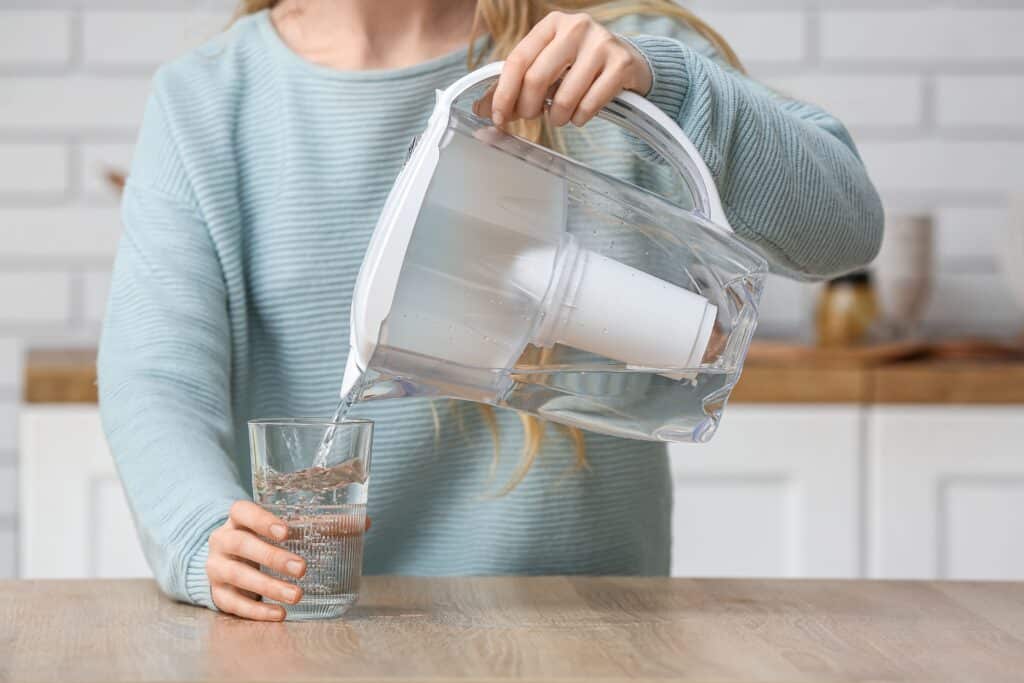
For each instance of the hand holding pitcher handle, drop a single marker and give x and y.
(574, 60)
(645, 120)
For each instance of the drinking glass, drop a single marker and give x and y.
(314, 475)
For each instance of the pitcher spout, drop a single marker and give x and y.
(353, 375)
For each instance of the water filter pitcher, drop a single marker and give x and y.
(505, 273)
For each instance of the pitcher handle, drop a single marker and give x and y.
(632, 111)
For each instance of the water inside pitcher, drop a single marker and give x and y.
(533, 282)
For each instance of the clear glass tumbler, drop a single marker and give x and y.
(314, 475)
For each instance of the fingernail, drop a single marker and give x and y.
(293, 594)
(279, 530)
(294, 568)
(497, 117)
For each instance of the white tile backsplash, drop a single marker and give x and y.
(35, 38)
(762, 37)
(33, 169)
(95, 287)
(34, 297)
(943, 35)
(10, 363)
(947, 167)
(8, 554)
(60, 234)
(860, 100)
(8, 425)
(8, 490)
(48, 104)
(966, 236)
(975, 100)
(977, 301)
(145, 39)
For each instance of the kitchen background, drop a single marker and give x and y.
(932, 91)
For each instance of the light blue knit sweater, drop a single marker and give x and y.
(256, 183)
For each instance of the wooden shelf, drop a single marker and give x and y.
(60, 376)
(69, 376)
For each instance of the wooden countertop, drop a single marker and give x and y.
(70, 377)
(528, 629)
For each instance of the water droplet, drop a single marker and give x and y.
(604, 331)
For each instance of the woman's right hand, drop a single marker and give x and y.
(237, 549)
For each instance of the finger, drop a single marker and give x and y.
(241, 576)
(229, 600)
(482, 107)
(249, 515)
(573, 87)
(518, 61)
(603, 91)
(243, 544)
(546, 69)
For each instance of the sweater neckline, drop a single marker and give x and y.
(282, 50)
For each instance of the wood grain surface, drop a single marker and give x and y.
(528, 629)
(774, 374)
(954, 382)
(60, 376)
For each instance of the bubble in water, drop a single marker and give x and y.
(604, 331)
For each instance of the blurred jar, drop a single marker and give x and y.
(847, 310)
(902, 273)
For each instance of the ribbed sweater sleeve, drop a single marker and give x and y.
(164, 368)
(791, 181)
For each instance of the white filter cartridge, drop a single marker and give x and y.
(622, 313)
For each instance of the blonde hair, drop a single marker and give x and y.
(508, 22)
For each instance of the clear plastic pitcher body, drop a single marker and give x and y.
(533, 282)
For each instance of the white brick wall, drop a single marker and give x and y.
(61, 234)
(133, 38)
(10, 364)
(933, 35)
(35, 38)
(860, 100)
(33, 169)
(747, 29)
(35, 297)
(933, 92)
(977, 100)
(8, 426)
(8, 549)
(58, 104)
(8, 490)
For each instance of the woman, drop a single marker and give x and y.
(261, 167)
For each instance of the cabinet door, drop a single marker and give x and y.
(74, 519)
(775, 493)
(947, 492)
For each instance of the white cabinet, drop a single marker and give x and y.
(775, 493)
(946, 492)
(74, 520)
(786, 490)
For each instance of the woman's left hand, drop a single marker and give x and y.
(594, 66)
